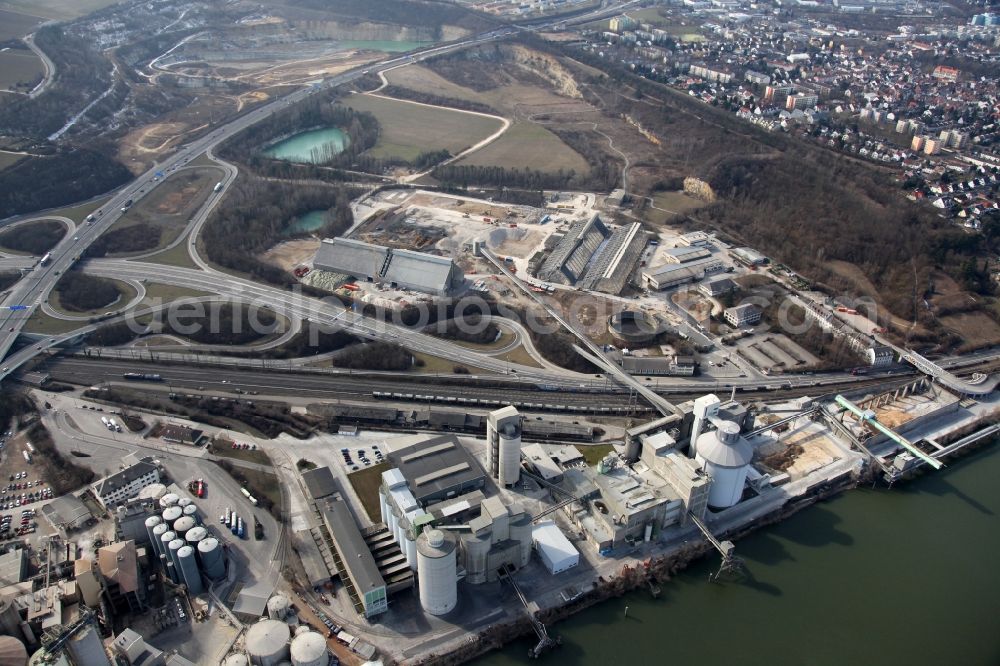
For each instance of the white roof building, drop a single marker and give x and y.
(553, 547)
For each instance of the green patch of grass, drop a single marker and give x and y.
(8, 159)
(20, 70)
(528, 146)
(223, 448)
(408, 129)
(46, 325)
(167, 292)
(521, 356)
(365, 483)
(80, 211)
(594, 453)
(436, 365)
(175, 256)
(265, 484)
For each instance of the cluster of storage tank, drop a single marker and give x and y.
(184, 547)
(270, 643)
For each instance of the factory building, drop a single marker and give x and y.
(612, 265)
(666, 276)
(438, 468)
(501, 534)
(542, 463)
(401, 269)
(127, 483)
(591, 256)
(132, 647)
(685, 253)
(695, 239)
(503, 445)
(739, 316)
(363, 579)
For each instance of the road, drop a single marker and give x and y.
(50, 67)
(32, 290)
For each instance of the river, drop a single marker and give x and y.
(883, 577)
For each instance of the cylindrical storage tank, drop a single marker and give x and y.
(236, 660)
(510, 454)
(410, 551)
(172, 513)
(633, 448)
(436, 573)
(267, 643)
(153, 492)
(10, 617)
(191, 510)
(301, 629)
(475, 548)
(725, 456)
(520, 531)
(170, 568)
(195, 534)
(189, 569)
(212, 561)
(165, 540)
(151, 523)
(12, 652)
(309, 649)
(182, 525)
(184, 501)
(277, 607)
(158, 533)
(168, 500)
(383, 506)
(172, 549)
(394, 524)
(86, 646)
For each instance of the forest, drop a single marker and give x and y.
(79, 292)
(376, 356)
(256, 212)
(433, 15)
(134, 238)
(34, 238)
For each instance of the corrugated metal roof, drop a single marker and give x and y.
(352, 257)
(417, 270)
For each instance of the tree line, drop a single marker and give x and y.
(79, 292)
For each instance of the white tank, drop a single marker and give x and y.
(182, 525)
(277, 607)
(184, 501)
(520, 531)
(383, 506)
(309, 649)
(301, 629)
(12, 652)
(172, 513)
(189, 569)
(172, 549)
(725, 456)
(267, 643)
(236, 660)
(411, 551)
(165, 540)
(510, 454)
(169, 568)
(168, 500)
(475, 550)
(191, 510)
(213, 562)
(153, 492)
(436, 572)
(158, 533)
(394, 524)
(151, 523)
(195, 534)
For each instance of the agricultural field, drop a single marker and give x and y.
(19, 70)
(14, 25)
(409, 129)
(8, 159)
(528, 146)
(54, 9)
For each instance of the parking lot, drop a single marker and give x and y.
(358, 457)
(23, 490)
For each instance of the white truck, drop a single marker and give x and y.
(217, 188)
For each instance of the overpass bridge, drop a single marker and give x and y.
(978, 385)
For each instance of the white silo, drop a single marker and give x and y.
(475, 551)
(189, 569)
(195, 534)
(172, 549)
(725, 456)
(394, 518)
(169, 568)
(172, 513)
(309, 649)
(168, 500)
(184, 501)
(436, 574)
(158, 533)
(520, 531)
(213, 562)
(151, 523)
(191, 510)
(277, 607)
(165, 540)
(152, 493)
(237, 659)
(503, 445)
(182, 525)
(410, 550)
(267, 643)
(383, 505)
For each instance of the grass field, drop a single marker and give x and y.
(55, 9)
(21, 69)
(170, 206)
(167, 293)
(126, 290)
(8, 159)
(668, 205)
(175, 256)
(409, 129)
(365, 483)
(222, 447)
(14, 25)
(528, 146)
(46, 325)
(594, 454)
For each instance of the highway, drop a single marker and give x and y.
(32, 290)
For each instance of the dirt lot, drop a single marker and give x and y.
(289, 254)
(817, 450)
(976, 328)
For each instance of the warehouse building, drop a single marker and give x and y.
(684, 254)
(612, 265)
(357, 566)
(554, 549)
(438, 468)
(401, 269)
(666, 276)
(571, 256)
